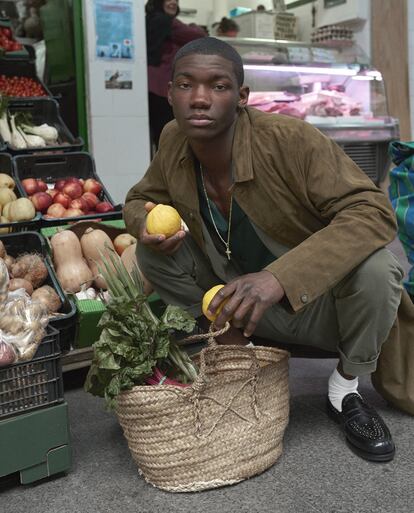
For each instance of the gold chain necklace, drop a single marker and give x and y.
(226, 243)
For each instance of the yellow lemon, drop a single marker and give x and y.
(208, 296)
(163, 219)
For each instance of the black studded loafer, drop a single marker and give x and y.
(366, 433)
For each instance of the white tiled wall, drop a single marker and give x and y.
(118, 119)
(411, 60)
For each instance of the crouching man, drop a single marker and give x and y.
(277, 212)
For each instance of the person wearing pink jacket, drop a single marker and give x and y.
(165, 35)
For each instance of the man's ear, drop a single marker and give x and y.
(169, 93)
(244, 92)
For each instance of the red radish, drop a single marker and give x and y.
(56, 210)
(73, 189)
(103, 207)
(79, 203)
(92, 185)
(122, 241)
(41, 185)
(30, 186)
(63, 199)
(52, 192)
(91, 199)
(41, 201)
(73, 212)
(60, 184)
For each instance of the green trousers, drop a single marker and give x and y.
(353, 318)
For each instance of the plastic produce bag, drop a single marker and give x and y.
(22, 326)
(7, 353)
(4, 281)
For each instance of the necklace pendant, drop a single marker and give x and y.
(228, 252)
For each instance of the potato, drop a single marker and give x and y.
(30, 267)
(2, 250)
(20, 283)
(48, 297)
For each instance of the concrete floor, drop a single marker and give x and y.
(316, 472)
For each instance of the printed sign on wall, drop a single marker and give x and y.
(114, 29)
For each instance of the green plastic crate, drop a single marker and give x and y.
(35, 444)
(90, 312)
(48, 232)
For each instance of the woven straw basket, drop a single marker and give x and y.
(227, 426)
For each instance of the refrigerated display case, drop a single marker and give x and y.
(336, 89)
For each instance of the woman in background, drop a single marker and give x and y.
(165, 35)
(227, 28)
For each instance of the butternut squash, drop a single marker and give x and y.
(71, 268)
(96, 243)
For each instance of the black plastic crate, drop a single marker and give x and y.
(28, 386)
(65, 322)
(45, 110)
(18, 68)
(51, 168)
(6, 166)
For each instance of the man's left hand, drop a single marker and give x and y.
(249, 296)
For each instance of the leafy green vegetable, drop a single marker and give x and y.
(134, 341)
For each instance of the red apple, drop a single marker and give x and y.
(41, 201)
(41, 185)
(74, 179)
(30, 186)
(91, 199)
(73, 212)
(73, 189)
(56, 210)
(92, 185)
(52, 192)
(80, 203)
(122, 241)
(103, 207)
(60, 184)
(63, 199)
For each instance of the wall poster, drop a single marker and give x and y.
(114, 29)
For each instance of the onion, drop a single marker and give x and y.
(48, 297)
(30, 267)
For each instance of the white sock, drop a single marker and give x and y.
(339, 387)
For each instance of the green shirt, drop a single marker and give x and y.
(247, 250)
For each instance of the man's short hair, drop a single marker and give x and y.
(212, 46)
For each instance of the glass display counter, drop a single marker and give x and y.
(334, 88)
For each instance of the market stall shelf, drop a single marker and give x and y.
(40, 112)
(7, 225)
(67, 167)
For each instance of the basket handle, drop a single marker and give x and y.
(200, 382)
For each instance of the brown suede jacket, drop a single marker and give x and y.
(295, 184)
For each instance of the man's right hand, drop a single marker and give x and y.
(159, 242)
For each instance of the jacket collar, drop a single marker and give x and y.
(241, 152)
